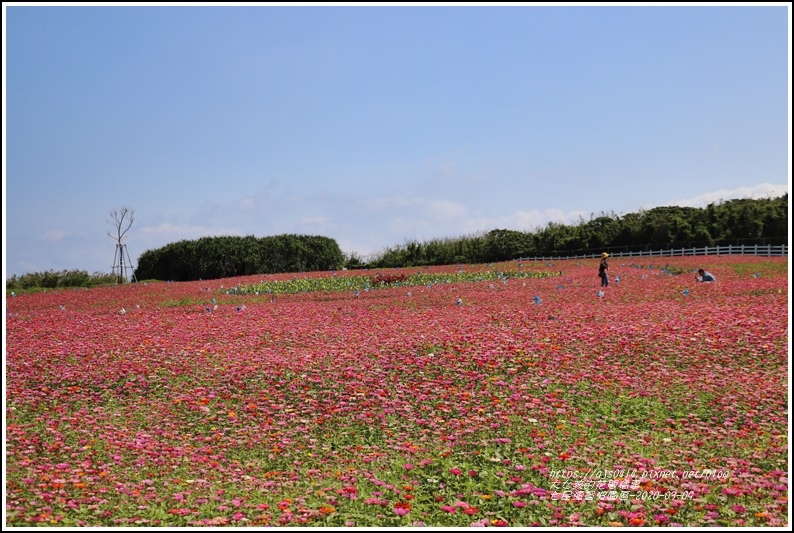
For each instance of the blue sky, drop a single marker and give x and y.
(376, 125)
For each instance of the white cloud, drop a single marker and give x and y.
(392, 202)
(527, 221)
(22, 266)
(763, 190)
(183, 231)
(530, 220)
(55, 235)
(444, 209)
(399, 219)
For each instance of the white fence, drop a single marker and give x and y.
(741, 249)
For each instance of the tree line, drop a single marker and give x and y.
(762, 221)
(222, 257)
(64, 279)
(745, 221)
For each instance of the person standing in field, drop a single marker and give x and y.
(603, 270)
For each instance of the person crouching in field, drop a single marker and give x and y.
(704, 276)
(603, 270)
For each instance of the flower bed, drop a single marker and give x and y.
(660, 402)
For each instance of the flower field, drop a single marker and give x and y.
(477, 395)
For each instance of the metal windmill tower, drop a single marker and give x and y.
(121, 221)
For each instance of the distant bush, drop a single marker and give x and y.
(353, 261)
(54, 280)
(223, 257)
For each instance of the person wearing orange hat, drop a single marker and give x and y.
(603, 270)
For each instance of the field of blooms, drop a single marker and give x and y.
(476, 395)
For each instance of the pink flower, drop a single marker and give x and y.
(402, 508)
(455, 471)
